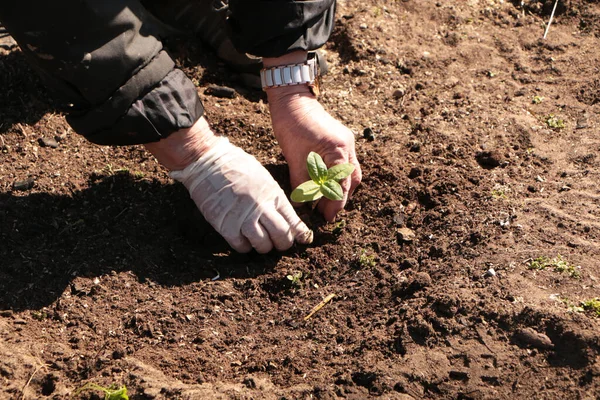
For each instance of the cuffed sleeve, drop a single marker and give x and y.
(272, 28)
(171, 105)
(103, 58)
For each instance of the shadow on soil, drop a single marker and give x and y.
(119, 223)
(23, 98)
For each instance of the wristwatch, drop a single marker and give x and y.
(306, 73)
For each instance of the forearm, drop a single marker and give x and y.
(183, 147)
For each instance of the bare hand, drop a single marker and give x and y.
(301, 125)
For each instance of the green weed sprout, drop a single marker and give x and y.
(324, 182)
(295, 278)
(366, 260)
(109, 393)
(557, 263)
(554, 122)
(592, 305)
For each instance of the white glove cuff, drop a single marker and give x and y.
(202, 167)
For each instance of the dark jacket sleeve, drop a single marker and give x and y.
(271, 28)
(101, 58)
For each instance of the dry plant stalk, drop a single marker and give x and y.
(319, 306)
(551, 18)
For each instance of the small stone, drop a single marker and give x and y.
(60, 137)
(48, 142)
(490, 273)
(19, 321)
(369, 134)
(399, 219)
(529, 336)
(221, 91)
(24, 184)
(399, 93)
(6, 313)
(363, 26)
(405, 235)
(78, 289)
(581, 123)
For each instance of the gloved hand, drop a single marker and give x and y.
(242, 201)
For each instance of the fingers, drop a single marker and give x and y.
(275, 228)
(298, 229)
(330, 208)
(278, 228)
(239, 243)
(258, 236)
(356, 176)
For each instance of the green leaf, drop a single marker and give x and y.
(308, 191)
(317, 170)
(340, 171)
(119, 394)
(332, 190)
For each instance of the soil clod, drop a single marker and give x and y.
(221, 91)
(48, 142)
(405, 235)
(531, 337)
(25, 184)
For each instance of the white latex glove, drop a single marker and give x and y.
(242, 201)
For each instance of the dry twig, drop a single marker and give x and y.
(551, 18)
(319, 306)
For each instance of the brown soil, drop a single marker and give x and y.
(108, 274)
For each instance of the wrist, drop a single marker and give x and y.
(295, 57)
(184, 146)
(278, 93)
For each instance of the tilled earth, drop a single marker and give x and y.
(465, 266)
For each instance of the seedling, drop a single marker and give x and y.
(557, 263)
(110, 170)
(366, 260)
(109, 393)
(339, 227)
(554, 122)
(324, 182)
(296, 278)
(592, 305)
(537, 99)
